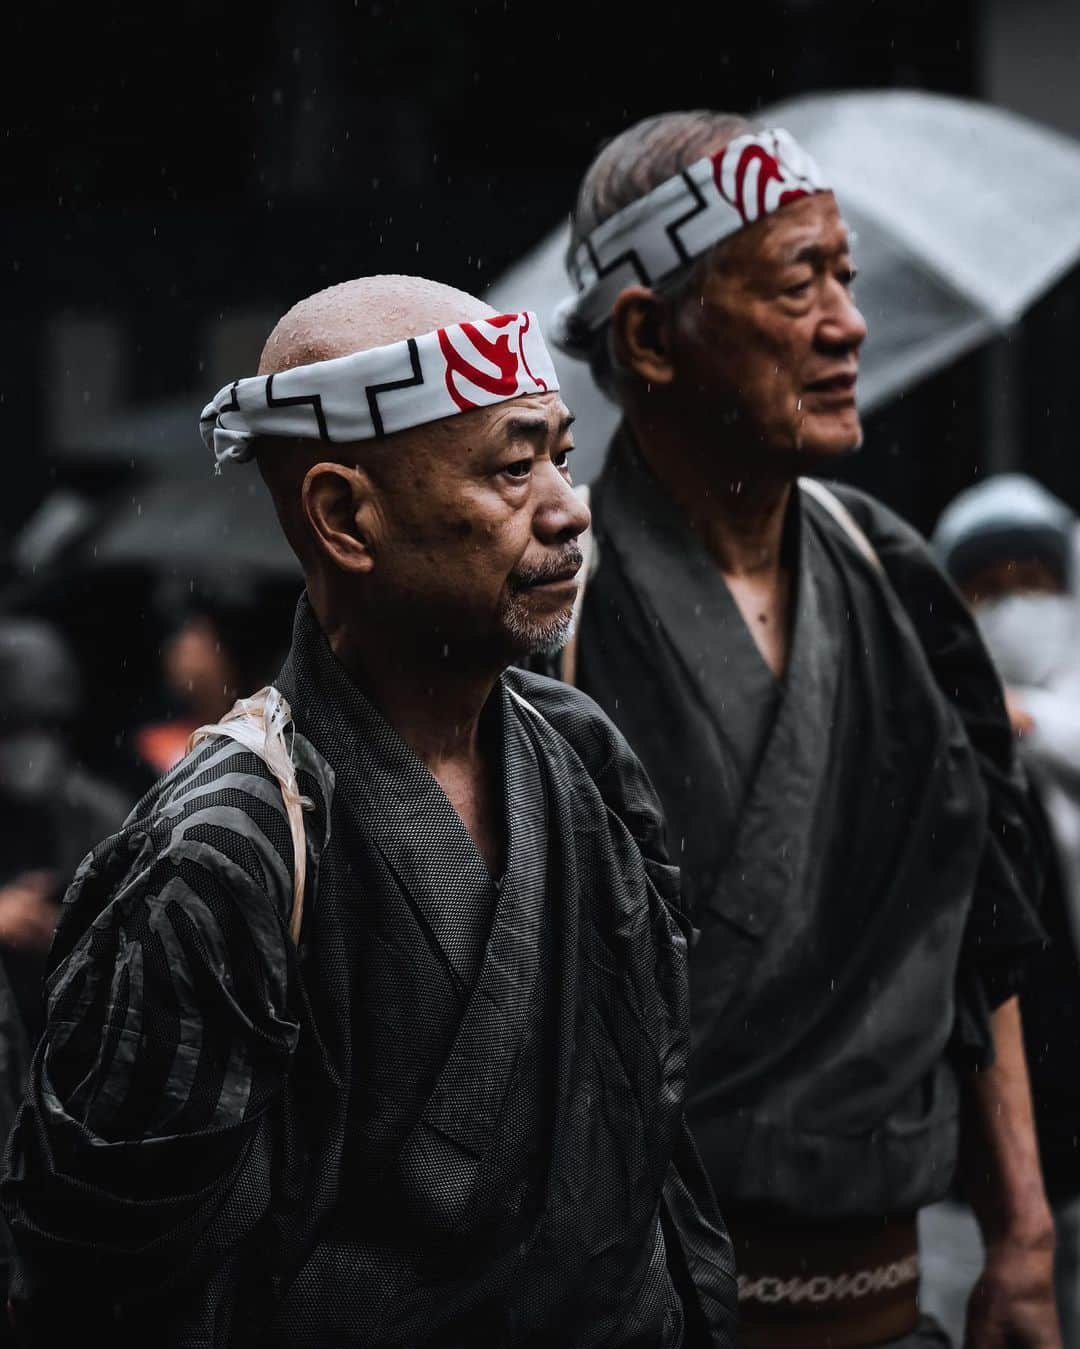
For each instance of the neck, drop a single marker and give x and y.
(433, 702)
(733, 502)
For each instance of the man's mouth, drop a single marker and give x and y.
(835, 388)
(560, 572)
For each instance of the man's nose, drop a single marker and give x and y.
(843, 324)
(561, 513)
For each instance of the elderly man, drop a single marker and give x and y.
(408, 1070)
(829, 741)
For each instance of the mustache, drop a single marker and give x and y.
(559, 566)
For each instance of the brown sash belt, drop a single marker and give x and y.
(836, 1286)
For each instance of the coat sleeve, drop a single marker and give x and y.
(701, 1259)
(167, 1040)
(1003, 929)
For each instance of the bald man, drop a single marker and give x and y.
(370, 1027)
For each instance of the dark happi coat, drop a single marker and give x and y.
(854, 841)
(452, 1117)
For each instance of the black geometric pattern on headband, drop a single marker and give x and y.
(700, 204)
(375, 389)
(212, 413)
(630, 256)
(314, 399)
(671, 230)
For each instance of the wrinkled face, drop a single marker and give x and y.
(770, 342)
(477, 528)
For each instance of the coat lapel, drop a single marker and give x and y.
(684, 594)
(395, 802)
(774, 843)
(467, 1100)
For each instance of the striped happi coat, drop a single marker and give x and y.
(451, 1116)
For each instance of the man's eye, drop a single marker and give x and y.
(800, 288)
(846, 275)
(520, 468)
(561, 459)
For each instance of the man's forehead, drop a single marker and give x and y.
(542, 411)
(453, 440)
(815, 222)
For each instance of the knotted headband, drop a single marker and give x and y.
(676, 222)
(374, 393)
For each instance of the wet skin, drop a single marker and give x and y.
(769, 342)
(467, 531)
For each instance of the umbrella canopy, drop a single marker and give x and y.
(226, 523)
(182, 521)
(963, 215)
(155, 436)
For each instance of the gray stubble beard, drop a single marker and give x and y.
(531, 637)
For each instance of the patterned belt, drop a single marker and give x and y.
(838, 1286)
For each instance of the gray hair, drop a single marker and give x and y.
(626, 168)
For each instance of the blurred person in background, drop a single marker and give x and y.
(52, 812)
(1011, 547)
(222, 642)
(830, 742)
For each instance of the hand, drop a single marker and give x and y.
(1012, 1305)
(28, 911)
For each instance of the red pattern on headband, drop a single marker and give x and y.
(770, 171)
(376, 393)
(526, 318)
(499, 352)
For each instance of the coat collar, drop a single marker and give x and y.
(680, 587)
(388, 793)
(688, 600)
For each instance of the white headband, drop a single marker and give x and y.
(374, 393)
(685, 216)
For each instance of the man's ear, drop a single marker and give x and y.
(339, 506)
(641, 332)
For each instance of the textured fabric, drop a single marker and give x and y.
(452, 1116)
(371, 394)
(52, 836)
(854, 840)
(260, 723)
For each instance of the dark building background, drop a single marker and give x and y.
(171, 168)
(175, 177)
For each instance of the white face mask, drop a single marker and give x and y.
(32, 766)
(1031, 637)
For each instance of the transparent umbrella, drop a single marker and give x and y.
(963, 215)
